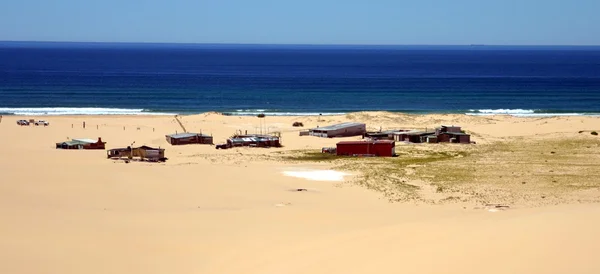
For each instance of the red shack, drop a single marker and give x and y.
(379, 148)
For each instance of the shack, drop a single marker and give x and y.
(81, 144)
(444, 129)
(189, 138)
(144, 153)
(339, 130)
(379, 148)
(454, 137)
(412, 136)
(383, 135)
(251, 140)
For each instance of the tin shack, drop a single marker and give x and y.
(339, 130)
(143, 152)
(379, 148)
(189, 138)
(251, 140)
(412, 136)
(81, 144)
(454, 137)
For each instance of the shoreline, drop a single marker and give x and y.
(309, 114)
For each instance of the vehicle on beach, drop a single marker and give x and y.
(222, 146)
(22, 123)
(42, 123)
(330, 150)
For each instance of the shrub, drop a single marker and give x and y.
(594, 133)
(298, 124)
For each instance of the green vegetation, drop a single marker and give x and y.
(313, 156)
(513, 172)
(390, 176)
(594, 133)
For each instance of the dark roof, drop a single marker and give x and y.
(456, 133)
(387, 132)
(416, 133)
(365, 142)
(186, 135)
(150, 148)
(142, 147)
(118, 149)
(339, 126)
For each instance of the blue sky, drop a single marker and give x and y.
(431, 22)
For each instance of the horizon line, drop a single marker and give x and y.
(291, 44)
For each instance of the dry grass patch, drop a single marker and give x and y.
(517, 172)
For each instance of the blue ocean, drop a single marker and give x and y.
(104, 78)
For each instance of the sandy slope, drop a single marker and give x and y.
(232, 211)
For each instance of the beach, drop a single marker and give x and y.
(522, 199)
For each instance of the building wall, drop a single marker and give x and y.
(99, 145)
(444, 138)
(366, 148)
(464, 139)
(190, 140)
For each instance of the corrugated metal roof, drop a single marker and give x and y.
(84, 140)
(73, 143)
(186, 135)
(417, 133)
(455, 133)
(339, 126)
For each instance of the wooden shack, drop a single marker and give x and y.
(82, 144)
(189, 138)
(412, 136)
(444, 129)
(251, 140)
(454, 137)
(144, 153)
(254, 140)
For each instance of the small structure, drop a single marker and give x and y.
(383, 135)
(330, 150)
(189, 138)
(431, 139)
(444, 129)
(452, 134)
(144, 153)
(82, 144)
(412, 136)
(251, 140)
(454, 137)
(340, 130)
(380, 148)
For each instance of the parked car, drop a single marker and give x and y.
(330, 150)
(222, 146)
(22, 123)
(42, 123)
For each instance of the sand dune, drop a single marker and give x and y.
(235, 211)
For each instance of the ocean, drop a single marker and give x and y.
(160, 79)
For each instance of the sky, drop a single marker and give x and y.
(373, 22)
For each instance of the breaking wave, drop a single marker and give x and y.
(528, 112)
(78, 111)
